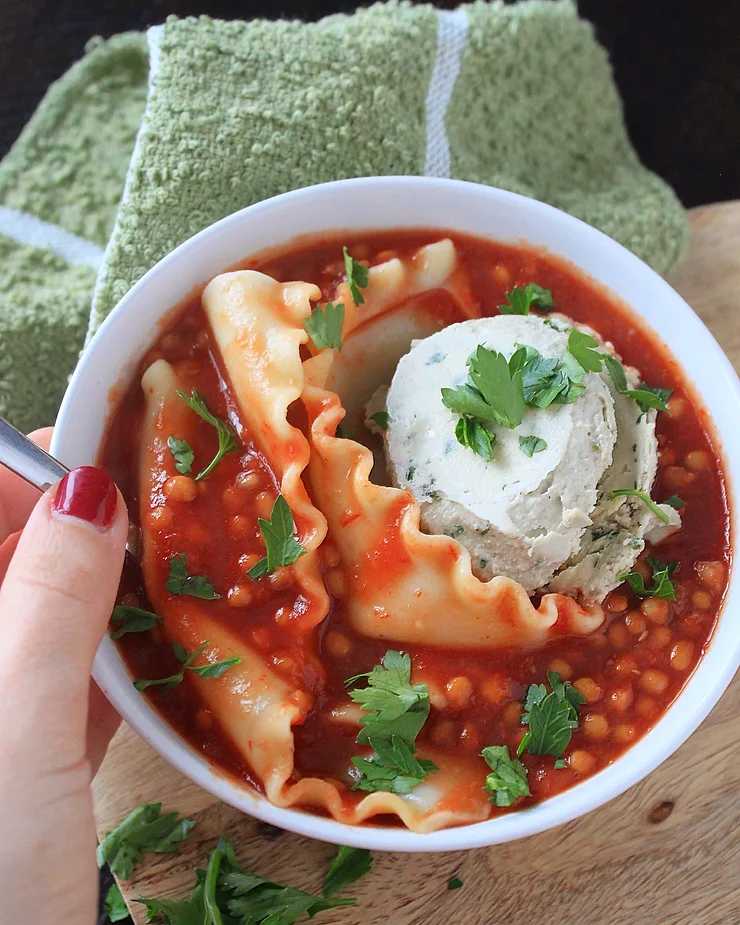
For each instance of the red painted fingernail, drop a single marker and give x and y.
(87, 493)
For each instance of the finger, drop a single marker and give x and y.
(55, 603)
(17, 497)
(102, 724)
(7, 549)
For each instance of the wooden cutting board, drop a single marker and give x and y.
(667, 852)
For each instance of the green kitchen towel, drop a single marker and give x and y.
(518, 96)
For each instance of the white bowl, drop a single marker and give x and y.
(413, 202)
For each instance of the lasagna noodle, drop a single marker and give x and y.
(251, 703)
(377, 334)
(258, 325)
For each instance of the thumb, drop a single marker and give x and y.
(55, 603)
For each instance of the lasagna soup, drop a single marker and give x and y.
(431, 528)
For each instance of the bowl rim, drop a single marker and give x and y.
(635, 764)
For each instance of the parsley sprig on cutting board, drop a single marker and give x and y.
(396, 710)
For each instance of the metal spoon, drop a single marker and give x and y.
(35, 466)
(30, 462)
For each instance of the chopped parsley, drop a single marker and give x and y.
(498, 391)
(662, 586)
(547, 380)
(226, 894)
(472, 433)
(675, 502)
(551, 717)
(215, 669)
(144, 829)
(349, 865)
(454, 883)
(115, 907)
(581, 348)
(645, 498)
(186, 659)
(324, 325)
(560, 763)
(180, 582)
(281, 545)
(508, 777)
(522, 298)
(226, 438)
(380, 418)
(646, 396)
(182, 453)
(358, 277)
(132, 620)
(395, 711)
(531, 445)
(494, 392)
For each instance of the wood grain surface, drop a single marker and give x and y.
(667, 852)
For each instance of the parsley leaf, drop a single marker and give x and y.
(395, 712)
(662, 395)
(662, 586)
(277, 532)
(471, 433)
(186, 659)
(644, 497)
(531, 445)
(551, 717)
(324, 325)
(215, 669)
(560, 763)
(132, 620)
(172, 680)
(144, 829)
(226, 894)
(581, 348)
(226, 438)
(675, 502)
(393, 767)
(494, 393)
(646, 396)
(546, 380)
(349, 865)
(358, 277)
(508, 777)
(500, 387)
(521, 298)
(180, 582)
(454, 883)
(115, 908)
(253, 900)
(393, 705)
(380, 418)
(467, 400)
(183, 454)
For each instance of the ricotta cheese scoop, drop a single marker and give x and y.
(524, 517)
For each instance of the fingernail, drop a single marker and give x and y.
(89, 494)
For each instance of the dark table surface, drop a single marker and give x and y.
(676, 64)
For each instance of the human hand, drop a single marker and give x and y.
(59, 581)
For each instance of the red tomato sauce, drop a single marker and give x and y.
(629, 671)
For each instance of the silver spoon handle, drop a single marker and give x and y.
(27, 460)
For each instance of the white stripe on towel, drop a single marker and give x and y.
(452, 37)
(27, 229)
